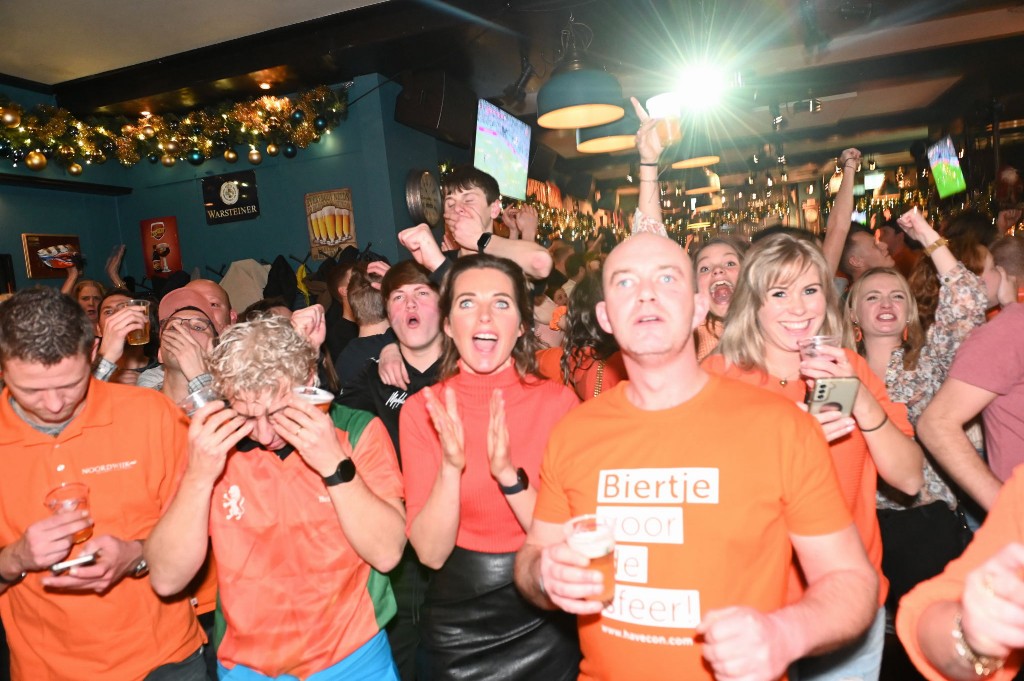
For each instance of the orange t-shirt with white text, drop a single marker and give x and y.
(704, 497)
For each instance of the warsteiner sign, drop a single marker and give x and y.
(230, 198)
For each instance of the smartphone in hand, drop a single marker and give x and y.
(64, 566)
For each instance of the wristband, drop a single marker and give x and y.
(935, 245)
(871, 430)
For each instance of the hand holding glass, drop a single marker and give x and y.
(590, 536)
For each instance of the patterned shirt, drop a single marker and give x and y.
(961, 308)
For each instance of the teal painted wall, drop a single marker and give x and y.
(368, 153)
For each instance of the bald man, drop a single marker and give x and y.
(710, 487)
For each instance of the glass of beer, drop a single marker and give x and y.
(139, 336)
(319, 398)
(594, 538)
(71, 497)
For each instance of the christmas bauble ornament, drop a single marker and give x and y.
(289, 150)
(10, 118)
(298, 116)
(75, 169)
(153, 158)
(231, 156)
(35, 160)
(66, 152)
(320, 123)
(171, 147)
(168, 161)
(195, 157)
(148, 131)
(255, 157)
(272, 150)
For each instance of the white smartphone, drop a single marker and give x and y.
(66, 565)
(833, 394)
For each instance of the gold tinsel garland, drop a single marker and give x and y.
(281, 122)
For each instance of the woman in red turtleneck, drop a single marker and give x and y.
(472, 447)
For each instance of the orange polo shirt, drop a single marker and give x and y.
(126, 445)
(296, 596)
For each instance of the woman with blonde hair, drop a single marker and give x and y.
(785, 296)
(920, 533)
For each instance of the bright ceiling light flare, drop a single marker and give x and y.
(702, 86)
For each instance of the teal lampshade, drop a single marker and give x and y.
(579, 98)
(695, 151)
(701, 181)
(615, 136)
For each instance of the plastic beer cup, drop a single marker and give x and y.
(321, 399)
(139, 336)
(71, 497)
(594, 538)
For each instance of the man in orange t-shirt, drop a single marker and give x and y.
(304, 517)
(710, 487)
(58, 427)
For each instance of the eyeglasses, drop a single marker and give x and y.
(197, 324)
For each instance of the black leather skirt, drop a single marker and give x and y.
(476, 626)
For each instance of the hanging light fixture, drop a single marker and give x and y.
(701, 181)
(578, 95)
(695, 151)
(615, 136)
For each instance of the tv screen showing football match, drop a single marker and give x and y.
(502, 149)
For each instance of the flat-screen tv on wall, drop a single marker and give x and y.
(502, 148)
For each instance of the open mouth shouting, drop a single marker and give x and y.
(720, 292)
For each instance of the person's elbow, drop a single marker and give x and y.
(390, 556)
(538, 264)
(164, 584)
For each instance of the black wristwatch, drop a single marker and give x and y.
(522, 484)
(12, 582)
(345, 471)
(482, 242)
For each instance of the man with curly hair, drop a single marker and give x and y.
(304, 514)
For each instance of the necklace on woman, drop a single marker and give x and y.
(784, 381)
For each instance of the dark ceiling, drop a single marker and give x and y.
(887, 73)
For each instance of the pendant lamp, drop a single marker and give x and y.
(615, 136)
(695, 151)
(578, 95)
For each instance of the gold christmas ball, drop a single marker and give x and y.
(148, 130)
(66, 151)
(231, 156)
(126, 130)
(35, 160)
(10, 118)
(255, 157)
(272, 149)
(171, 147)
(75, 169)
(168, 160)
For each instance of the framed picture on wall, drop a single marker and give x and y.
(330, 222)
(48, 256)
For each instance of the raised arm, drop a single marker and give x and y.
(838, 226)
(177, 546)
(649, 145)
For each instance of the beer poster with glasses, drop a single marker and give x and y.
(330, 222)
(160, 250)
(48, 256)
